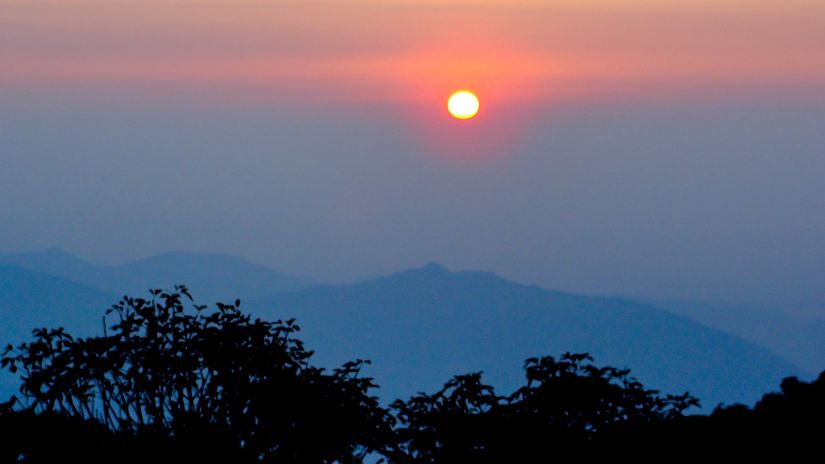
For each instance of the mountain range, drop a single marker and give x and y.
(31, 299)
(792, 336)
(419, 327)
(211, 276)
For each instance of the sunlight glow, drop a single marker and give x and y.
(463, 105)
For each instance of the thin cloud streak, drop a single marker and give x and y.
(412, 51)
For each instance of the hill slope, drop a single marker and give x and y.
(30, 299)
(798, 339)
(422, 326)
(212, 277)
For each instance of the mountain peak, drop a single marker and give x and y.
(429, 273)
(46, 260)
(433, 268)
(421, 325)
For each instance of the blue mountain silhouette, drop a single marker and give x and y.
(422, 326)
(419, 327)
(211, 276)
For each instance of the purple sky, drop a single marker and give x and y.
(622, 147)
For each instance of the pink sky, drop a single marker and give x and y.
(392, 51)
(670, 148)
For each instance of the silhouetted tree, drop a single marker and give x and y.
(564, 406)
(788, 425)
(168, 373)
(171, 381)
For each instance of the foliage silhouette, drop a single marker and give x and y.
(170, 370)
(172, 381)
(570, 408)
(565, 404)
(786, 425)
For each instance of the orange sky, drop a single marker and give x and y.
(413, 50)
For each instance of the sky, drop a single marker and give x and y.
(662, 149)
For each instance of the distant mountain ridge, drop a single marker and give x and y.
(420, 327)
(31, 299)
(212, 277)
(53, 288)
(800, 340)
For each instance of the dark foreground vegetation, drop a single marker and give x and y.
(171, 381)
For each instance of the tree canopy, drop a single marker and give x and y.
(169, 369)
(173, 381)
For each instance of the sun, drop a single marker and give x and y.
(463, 104)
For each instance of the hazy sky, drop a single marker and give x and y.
(668, 149)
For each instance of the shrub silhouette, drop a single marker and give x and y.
(166, 373)
(564, 406)
(787, 425)
(172, 381)
(570, 408)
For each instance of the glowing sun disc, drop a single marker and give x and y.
(463, 104)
